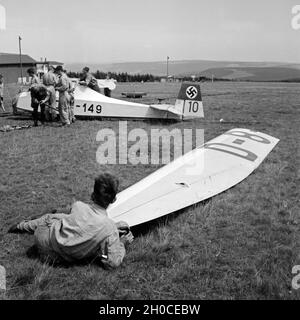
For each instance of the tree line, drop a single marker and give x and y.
(126, 77)
(120, 77)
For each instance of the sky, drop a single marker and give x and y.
(106, 31)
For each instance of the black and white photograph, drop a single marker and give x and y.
(149, 152)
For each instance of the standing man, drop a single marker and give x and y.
(34, 79)
(50, 80)
(72, 101)
(63, 87)
(87, 79)
(1, 93)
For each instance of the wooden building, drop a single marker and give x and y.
(10, 66)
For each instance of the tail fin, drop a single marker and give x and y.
(189, 101)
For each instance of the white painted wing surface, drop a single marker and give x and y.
(89, 103)
(24, 101)
(102, 83)
(198, 175)
(107, 83)
(168, 108)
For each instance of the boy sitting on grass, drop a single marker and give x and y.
(86, 233)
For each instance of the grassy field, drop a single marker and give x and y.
(241, 244)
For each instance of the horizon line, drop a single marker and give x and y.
(183, 60)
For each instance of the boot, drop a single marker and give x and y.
(14, 229)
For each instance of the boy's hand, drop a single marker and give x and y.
(123, 228)
(127, 238)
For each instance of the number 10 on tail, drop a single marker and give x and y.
(189, 101)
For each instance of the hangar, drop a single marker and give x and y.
(10, 66)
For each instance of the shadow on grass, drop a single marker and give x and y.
(20, 116)
(34, 254)
(161, 121)
(144, 228)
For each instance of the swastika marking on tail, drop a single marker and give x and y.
(191, 92)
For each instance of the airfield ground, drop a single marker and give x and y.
(241, 244)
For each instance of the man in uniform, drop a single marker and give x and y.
(87, 79)
(1, 93)
(34, 79)
(86, 234)
(72, 101)
(49, 80)
(39, 97)
(63, 87)
(35, 96)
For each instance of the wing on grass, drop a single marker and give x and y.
(198, 175)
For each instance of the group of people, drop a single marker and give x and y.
(43, 94)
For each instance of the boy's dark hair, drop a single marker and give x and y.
(39, 92)
(31, 70)
(58, 68)
(105, 189)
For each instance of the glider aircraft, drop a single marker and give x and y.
(89, 103)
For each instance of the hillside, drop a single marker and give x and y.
(258, 71)
(254, 73)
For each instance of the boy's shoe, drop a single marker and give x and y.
(14, 229)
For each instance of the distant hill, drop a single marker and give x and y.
(256, 71)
